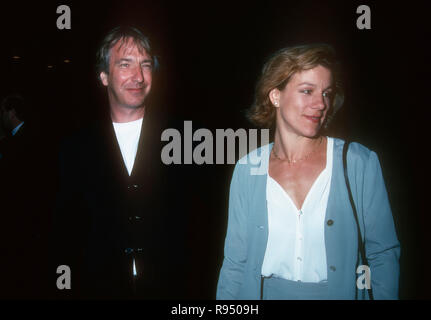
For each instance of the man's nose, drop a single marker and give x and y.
(138, 75)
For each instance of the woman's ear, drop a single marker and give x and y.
(274, 96)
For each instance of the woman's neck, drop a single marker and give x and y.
(292, 146)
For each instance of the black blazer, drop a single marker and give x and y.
(105, 219)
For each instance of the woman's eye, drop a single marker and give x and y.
(306, 91)
(124, 65)
(327, 94)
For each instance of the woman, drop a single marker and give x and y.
(291, 231)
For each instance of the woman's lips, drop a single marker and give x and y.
(313, 119)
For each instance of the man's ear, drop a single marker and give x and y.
(274, 96)
(104, 78)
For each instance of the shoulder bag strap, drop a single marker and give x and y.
(360, 243)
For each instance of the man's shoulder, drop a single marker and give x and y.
(85, 133)
(82, 141)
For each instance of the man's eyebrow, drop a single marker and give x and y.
(123, 60)
(131, 60)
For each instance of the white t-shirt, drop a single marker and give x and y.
(128, 134)
(296, 241)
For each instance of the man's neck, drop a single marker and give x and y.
(121, 115)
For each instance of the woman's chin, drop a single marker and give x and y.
(313, 133)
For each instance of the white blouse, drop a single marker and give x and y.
(296, 242)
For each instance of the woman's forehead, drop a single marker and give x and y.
(316, 75)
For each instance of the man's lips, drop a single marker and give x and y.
(135, 90)
(314, 119)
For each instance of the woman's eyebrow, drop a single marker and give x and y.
(313, 85)
(306, 83)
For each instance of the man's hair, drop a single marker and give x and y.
(123, 34)
(17, 103)
(280, 68)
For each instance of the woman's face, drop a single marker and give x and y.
(303, 104)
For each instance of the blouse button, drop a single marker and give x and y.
(330, 222)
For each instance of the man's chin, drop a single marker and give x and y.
(134, 106)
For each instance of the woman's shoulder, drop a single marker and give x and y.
(357, 153)
(256, 155)
(355, 148)
(256, 161)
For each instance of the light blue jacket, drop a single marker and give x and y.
(247, 232)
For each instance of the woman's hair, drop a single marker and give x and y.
(280, 68)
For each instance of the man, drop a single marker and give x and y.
(13, 113)
(24, 213)
(119, 219)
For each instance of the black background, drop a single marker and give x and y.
(211, 53)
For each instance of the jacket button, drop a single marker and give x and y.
(132, 250)
(330, 222)
(332, 268)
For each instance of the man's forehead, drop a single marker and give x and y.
(127, 47)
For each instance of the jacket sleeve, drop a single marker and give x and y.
(68, 224)
(381, 243)
(235, 249)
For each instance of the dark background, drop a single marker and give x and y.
(211, 54)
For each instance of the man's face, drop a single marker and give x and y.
(2, 128)
(130, 75)
(4, 119)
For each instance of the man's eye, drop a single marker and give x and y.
(147, 66)
(124, 65)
